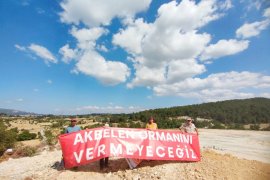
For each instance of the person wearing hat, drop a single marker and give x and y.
(72, 127)
(189, 127)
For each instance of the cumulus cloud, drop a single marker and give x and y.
(218, 86)
(166, 50)
(186, 15)
(67, 53)
(179, 70)
(108, 72)
(135, 33)
(267, 13)
(147, 76)
(99, 12)
(86, 37)
(251, 29)
(224, 48)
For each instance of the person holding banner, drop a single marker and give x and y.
(103, 162)
(189, 127)
(133, 163)
(151, 125)
(72, 127)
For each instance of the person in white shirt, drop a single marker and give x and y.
(189, 127)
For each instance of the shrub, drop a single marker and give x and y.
(135, 125)
(22, 151)
(254, 127)
(7, 138)
(50, 138)
(26, 135)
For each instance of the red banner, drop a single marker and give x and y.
(93, 144)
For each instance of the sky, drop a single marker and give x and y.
(122, 56)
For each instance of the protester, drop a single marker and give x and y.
(151, 125)
(189, 127)
(103, 162)
(133, 163)
(72, 127)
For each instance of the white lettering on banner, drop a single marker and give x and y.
(106, 133)
(101, 149)
(140, 148)
(170, 152)
(116, 151)
(151, 135)
(89, 154)
(128, 134)
(121, 133)
(169, 137)
(98, 134)
(193, 154)
(78, 158)
(179, 152)
(129, 149)
(78, 138)
(149, 151)
(161, 136)
(157, 151)
(187, 151)
(87, 136)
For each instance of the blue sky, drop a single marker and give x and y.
(91, 56)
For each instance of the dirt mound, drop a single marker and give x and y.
(212, 166)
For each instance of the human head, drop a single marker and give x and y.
(189, 120)
(151, 120)
(73, 121)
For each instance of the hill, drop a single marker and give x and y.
(12, 112)
(245, 111)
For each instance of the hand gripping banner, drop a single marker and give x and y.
(89, 145)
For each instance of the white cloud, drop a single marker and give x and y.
(102, 48)
(163, 50)
(224, 48)
(159, 48)
(251, 29)
(21, 48)
(37, 50)
(67, 53)
(179, 70)
(267, 13)
(108, 72)
(49, 81)
(107, 109)
(35, 90)
(19, 99)
(227, 4)
(219, 86)
(99, 12)
(87, 37)
(43, 53)
(147, 76)
(186, 15)
(135, 33)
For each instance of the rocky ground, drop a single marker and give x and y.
(219, 161)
